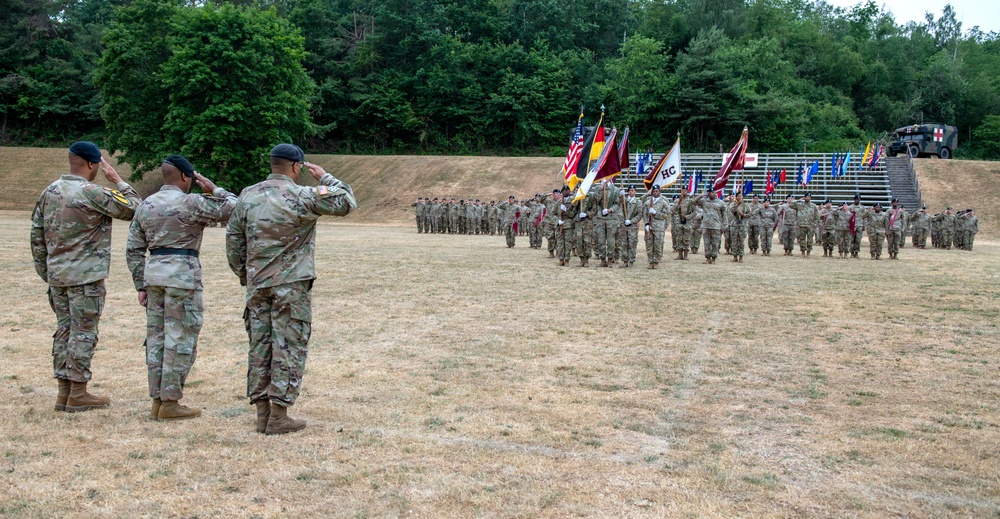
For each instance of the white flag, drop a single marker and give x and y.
(668, 170)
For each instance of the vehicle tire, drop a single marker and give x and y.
(945, 153)
(913, 151)
(890, 153)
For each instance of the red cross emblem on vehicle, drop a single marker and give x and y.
(939, 135)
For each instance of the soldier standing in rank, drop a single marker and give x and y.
(566, 213)
(807, 216)
(971, 229)
(536, 221)
(435, 216)
(674, 231)
(843, 230)
(71, 249)
(552, 203)
(419, 209)
(696, 216)
(584, 230)
(739, 214)
(876, 221)
(656, 210)
(604, 206)
(270, 243)
(787, 217)
(426, 216)
(713, 217)
(857, 211)
(632, 212)
(170, 224)
(768, 218)
(680, 214)
(828, 228)
(921, 223)
(509, 214)
(895, 232)
(753, 230)
(947, 232)
(492, 215)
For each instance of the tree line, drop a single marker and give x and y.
(486, 76)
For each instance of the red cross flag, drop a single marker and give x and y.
(939, 135)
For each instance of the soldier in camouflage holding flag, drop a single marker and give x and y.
(71, 248)
(169, 224)
(269, 245)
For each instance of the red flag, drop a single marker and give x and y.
(734, 162)
(609, 167)
(623, 152)
(769, 188)
(892, 219)
(539, 219)
(783, 179)
(854, 218)
(517, 218)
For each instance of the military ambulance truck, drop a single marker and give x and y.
(924, 140)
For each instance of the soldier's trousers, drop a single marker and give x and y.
(695, 238)
(427, 224)
(738, 236)
(453, 225)
(894, 237)
(564, 242)
(958, 240)
(727, 238)
(621, 239)
(765, 238)
(713, 239)
(606, 229)
(875, 242)
(674, 233)
(970, 238)
(420, 225)
(829, 240)
(174, 317)
(682, 237)
(788, 238)
(278, 321)
(584, 232)
(550, 235)
(654, 244)
(753, 235)
(919, 238)
(946, 237)
(509, 233)
(844, 240)
(78, 311)
(856, 240)
(805, 238)
(494, 226)
(535, 235)
(630, 242)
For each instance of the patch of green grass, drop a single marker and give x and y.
(233, 412)
(765, 480)
(435, 421)
(882, 433)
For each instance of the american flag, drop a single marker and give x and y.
(575, 150)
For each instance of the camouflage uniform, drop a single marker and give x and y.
(921, 223)
(535, 226)
(738, 222)
(584, 229)
(843, 230)
(828, 229)
(426, 216)
(859, 227)
(604, 208)
(270, 245)
(896, 230)
(696, 229)
(947, 233)
(71, 248)
(971, 230)
(419, 209)
(633, 213)
(767, 217)
(876, 224)
(565, 234)
(656, 226)
(170, 225)
(508, 214)
(680, 214)
(492, 214)
(754, 232)
(551, 212)
(711, 225)
(807, 216)
(787, 222)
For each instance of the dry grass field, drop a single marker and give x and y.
(450, 376)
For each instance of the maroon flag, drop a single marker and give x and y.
(539, 219)
(892, 219)
(623, 152)
(734, 162)
(854, 218)
(517, 218)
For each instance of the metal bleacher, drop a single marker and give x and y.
(871, 184)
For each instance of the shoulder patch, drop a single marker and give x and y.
(322, 190)
(117, 195)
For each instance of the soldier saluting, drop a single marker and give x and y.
(170, 224)
(269, 244)
(71, 247)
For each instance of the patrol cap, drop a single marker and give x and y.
(180, 163)
(86, 150)
(288, 151)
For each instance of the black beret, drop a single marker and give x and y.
(675, 197)
(878, 205)
(968, 210)
(828, 201)
(86, 150)
(631, 188)
(845, 203)
(511, 197)
(948, 209)
(656, 186)
(807, 194)
(895, 200)
(857, 197)
(555, 190)
(180, 163)
(755, 195)
(288, 151)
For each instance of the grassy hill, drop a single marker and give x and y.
(963, 184)
(387, 185)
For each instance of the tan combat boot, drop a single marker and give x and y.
(552, 254)
(263, 414)
(280, 423)
(172, 410)
(154, 410)
(63, 394)
(80, 400)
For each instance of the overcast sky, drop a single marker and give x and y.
(984, 13)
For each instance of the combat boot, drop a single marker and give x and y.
(741, 259)
(80, 400)
(263, 414)
(172, 410)
(280, 423)
(604, 262)
(63, 394)
(154, 410)
(586, 262)
(552, 254)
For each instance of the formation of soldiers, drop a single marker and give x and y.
(269, 246)
(607, 222)
(448, 216)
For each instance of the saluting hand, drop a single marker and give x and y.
(315, 170)
(204, 183)
(109, 172)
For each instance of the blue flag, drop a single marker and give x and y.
(748, 187)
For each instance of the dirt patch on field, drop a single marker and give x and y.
(963, 184)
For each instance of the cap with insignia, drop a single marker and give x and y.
(807, 194)
(631, 187)
(86, 150)
(511, 197)
(288, 151)
(180, 163)
(656, 187)
(895, 200)
(555, 190)
(857, 197)
(828, 201)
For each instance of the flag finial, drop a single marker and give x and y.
(602, 108)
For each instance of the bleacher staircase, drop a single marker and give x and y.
(903, 183)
